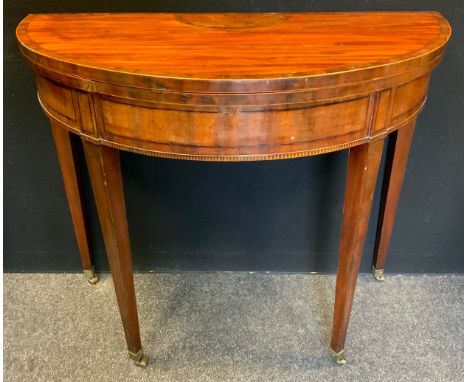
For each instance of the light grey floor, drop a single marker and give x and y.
(233, 327)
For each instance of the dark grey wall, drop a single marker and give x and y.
(278, 216)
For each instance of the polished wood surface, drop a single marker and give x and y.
(67, 156)
(399, 144)
(233, 87)
(104, 171)
(363, 166)
(236, 87)
(215, 47)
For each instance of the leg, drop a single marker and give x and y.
(66, 153)
(363, 165)
(397, 155)
(104, 169)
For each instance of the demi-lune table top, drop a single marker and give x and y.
(233, 87)
(261, 52)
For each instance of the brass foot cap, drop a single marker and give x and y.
(378, 274)
(91, 275)
(139, 358)
(339, 357)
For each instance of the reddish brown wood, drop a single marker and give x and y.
(399, 144)
(237, 87)
(172, 51)
(104, 170)
(232, 87)
(363, 166)
(66, 152)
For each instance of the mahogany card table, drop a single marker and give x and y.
(234, 87)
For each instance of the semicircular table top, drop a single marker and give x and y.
(233, 87)
(169, 51)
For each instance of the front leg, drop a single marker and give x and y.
(363, 166)
(104, 170)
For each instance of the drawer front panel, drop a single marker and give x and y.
(209, 133)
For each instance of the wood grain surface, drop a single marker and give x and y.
(228, 46)
(237, 87)
(363, 167)
(233, 87)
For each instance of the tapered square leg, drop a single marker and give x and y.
(66, 152)
(399, 143)
(104, 170)
(363, 165)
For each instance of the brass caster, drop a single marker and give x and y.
(378, 274)
(140, 359)
(339, 357)
(91, 275)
